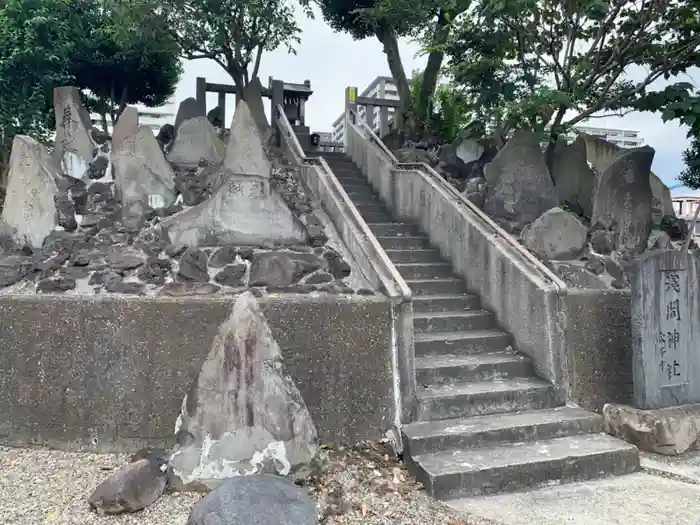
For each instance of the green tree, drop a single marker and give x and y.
(125, 63)
(444, 114)
(387, 20)
(552, 64)
(232, 33)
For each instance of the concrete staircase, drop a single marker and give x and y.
(484, 422)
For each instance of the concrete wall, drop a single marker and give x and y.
(109, 374)
(599, 347)
(580, 341)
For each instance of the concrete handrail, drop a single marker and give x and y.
(393, 282)
(496, 230)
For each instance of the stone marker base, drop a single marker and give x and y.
(668, 431)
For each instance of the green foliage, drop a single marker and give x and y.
(232, 33)
(552, 64)
(690, 176)
(444, 115)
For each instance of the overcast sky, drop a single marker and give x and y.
(332, 61)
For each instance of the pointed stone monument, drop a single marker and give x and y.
(245, 152)
(75, 148)
(243, 414)
(196, 140)
(29, 213)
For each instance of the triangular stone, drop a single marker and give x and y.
(242, 210)
(243, 414)
(252, 94)
(136, 182)
(573, 178)
(196, 140)
(127, 126)
(75, 149)
(245, 152)
(188, 108)
(29, 213)
(144, 145)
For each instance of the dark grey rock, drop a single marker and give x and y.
(595, 264)
(246, 252)
(232, 275)
(316, 230)
(125, 258)
(520, 187)
(75, 272)
(56, 284)
(188, 288)
(130, 489)
(223, 256)
(194, 188)
(82, 257)
(13, 268)
(603, 241)
(193, 266)
(251, 500)
(319, 278)
(676, 228)
(64, 241)
(188, 109)
(281, 268)
(336, 265)
(216, 117)
(175, 250)
(98, 168)
(114, 283)
(65, 210)
(50, 264)
(155, 271)
(166, 134)
(573, 178)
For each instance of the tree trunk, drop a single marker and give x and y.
(387, 36)
(432, 68)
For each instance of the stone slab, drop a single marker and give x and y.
(245, 152)
(74, 146)
(637, 498)
(196, 140)
(684, 468)
(665, 313)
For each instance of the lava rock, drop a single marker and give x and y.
(232, 275)
(255, 499)
(98, 168)
(223, 256)
(194, 266)
(319, 277)
(125, 258)
(155, 271)
(56, 284)
(13, 268)
(336, 265)
(175, 250)
(130, 489)
(676, 228)
(65, 210)
(114, 283)
(281, 268)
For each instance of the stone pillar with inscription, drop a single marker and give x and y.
(666, 329)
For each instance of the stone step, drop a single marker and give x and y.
(443, 303)
(414, 256)
(424, 270)
(362, 193)
(403, 243)
(480, 431)
(486, 397)
(435, 286)
(370, 207)
(508, 468)
(451, 369)
(366, 200)
(371, 217)
(461, 343)
(399, 229)
(345, 168)
(452, 321)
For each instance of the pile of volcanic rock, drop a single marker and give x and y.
(180, 213)
(587, 213)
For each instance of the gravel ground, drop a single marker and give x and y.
(363, 485)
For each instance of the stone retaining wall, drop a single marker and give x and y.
(106, 373)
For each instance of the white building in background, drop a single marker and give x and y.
(625, 138)
(685, 208)
(153, 118)
(380, 87)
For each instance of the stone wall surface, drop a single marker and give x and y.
(109, 373)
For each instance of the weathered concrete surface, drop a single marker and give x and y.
(599, 350)
(109, 374)
(557, 333)
(640, 499)
(243, 415)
